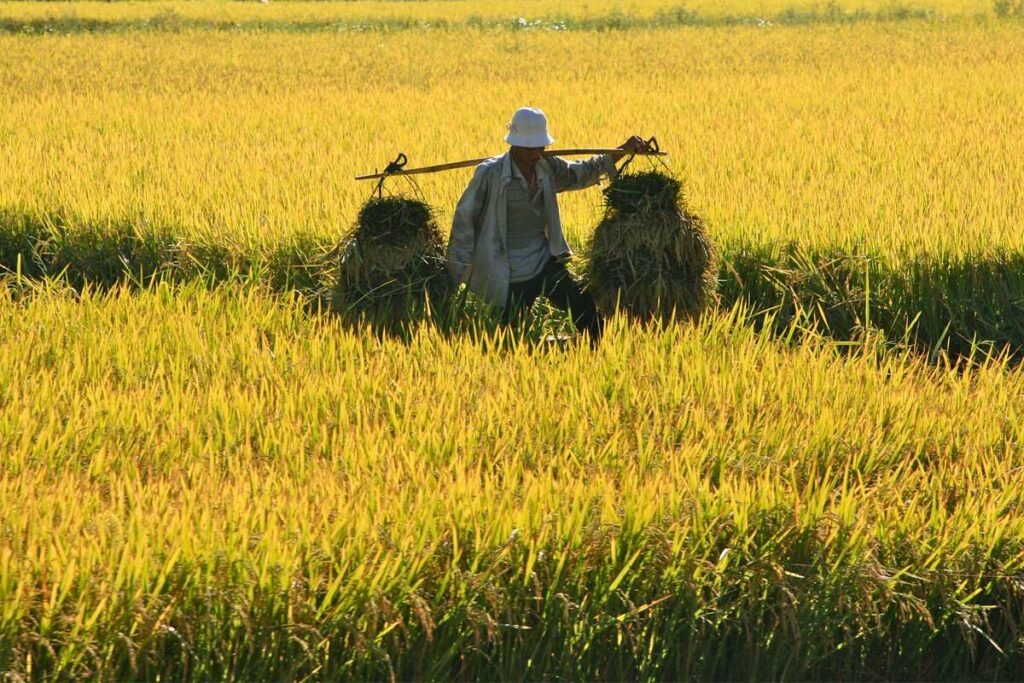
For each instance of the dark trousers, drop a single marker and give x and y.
(555, 282)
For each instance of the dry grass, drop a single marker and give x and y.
(391, 268)
(649, 256)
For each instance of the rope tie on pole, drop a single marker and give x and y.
(652, 146)
(394, 167)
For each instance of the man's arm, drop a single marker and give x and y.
(577, 175)
(462, 241)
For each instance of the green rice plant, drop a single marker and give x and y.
(960, 306)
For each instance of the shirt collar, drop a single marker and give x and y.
(506, 168)
(509, 170)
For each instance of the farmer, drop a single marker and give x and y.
(506, 242)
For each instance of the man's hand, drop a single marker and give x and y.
(631, 146)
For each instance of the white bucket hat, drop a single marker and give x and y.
(529, 128)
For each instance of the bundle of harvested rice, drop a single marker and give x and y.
(649, 257)
(392, 264)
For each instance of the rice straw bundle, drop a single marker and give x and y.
(649, 257)
(392, 264)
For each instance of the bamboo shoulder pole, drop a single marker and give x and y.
(475, 162)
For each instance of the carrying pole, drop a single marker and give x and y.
(475, 162)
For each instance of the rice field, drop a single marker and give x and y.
(207, 474)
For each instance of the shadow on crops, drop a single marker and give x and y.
(957, 306)
(115, 253)
(967, 306)
(459, 315)
(960, 306)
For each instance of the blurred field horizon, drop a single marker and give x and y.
(208, 473)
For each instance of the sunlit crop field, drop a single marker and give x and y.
(206, 475)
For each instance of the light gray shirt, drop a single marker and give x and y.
(478, 244)
(527, 229)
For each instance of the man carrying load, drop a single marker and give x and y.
(506, 241)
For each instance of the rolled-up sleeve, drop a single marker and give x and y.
(576, 175)
(462, 240)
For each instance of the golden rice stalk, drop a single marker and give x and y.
(392, 263)
(649, 257)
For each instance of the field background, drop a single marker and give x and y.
(202, 476)
(436, 12)
(829, 147)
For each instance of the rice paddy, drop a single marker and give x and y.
(212, 466)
